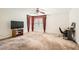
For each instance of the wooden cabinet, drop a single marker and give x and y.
(17, 32)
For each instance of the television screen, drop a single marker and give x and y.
(17, 24)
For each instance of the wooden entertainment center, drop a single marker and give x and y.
(17, 28)
(17, 32)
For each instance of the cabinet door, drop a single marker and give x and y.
(13, 33)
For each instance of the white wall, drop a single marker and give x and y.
(56, 17)
(74, 17)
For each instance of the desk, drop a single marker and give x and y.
(30, 18)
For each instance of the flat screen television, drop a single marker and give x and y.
(17, 24)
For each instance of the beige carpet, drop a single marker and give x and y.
(38, 41)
